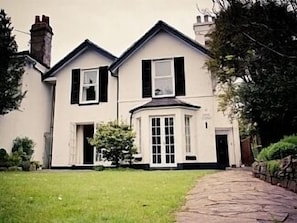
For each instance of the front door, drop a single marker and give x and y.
(222, 151)
(88, 149)
(162, 142)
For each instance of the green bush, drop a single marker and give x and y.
(277, 150)
(273, 167)
(24, 147)
(280, 150)
(14, 159)
(290, 139)
(3, 157)
(263, 155)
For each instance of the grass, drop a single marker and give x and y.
(91, 196)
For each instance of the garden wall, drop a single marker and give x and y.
(283, 173)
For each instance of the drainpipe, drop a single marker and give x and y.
(131, 116)
(118, 93)
(52, 125)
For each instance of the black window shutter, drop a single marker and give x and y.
(146, 78)
(179, 73)
(75, 82)
(103, 84)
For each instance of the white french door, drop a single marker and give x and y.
(162, 142)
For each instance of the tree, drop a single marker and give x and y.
(11, 68)
(115, 140)
(254, 46)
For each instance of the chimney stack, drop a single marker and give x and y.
(41, 40)
(202, 27)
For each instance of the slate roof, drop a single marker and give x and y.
(164, 102)
(157, 28)
(87, 44)
(27, 53)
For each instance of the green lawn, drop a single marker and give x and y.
(91, 196)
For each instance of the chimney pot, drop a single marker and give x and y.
(198, 19)
(45, 19)
(37, 19)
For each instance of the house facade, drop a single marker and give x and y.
(159, 86)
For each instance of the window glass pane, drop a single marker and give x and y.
(89, 86)
(90, 77)
(89, 93)
(163, 86)
(187, 134)
(163, 68)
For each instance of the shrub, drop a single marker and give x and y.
(263, 155)
(290, 139)
(24, 147)
(115, 140)
(273, 167)
(3, 157)
(277, 150)
(14, 159)
(280, 150)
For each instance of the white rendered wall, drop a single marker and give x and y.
(198, 92)
(66, 113)
(32, 119)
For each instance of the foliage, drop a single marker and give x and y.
(277, 150)
(6, 160)
(3, 155)
(11, 68)
(290, 139)
(24, 147)
(115, 140)
(90, 196)
(273, 167)
(14, 159)
(254, 48)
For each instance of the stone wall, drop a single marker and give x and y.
(285, 174)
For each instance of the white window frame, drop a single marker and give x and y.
(82, 86)
(162, 77)
(188, 138)
(138, 121)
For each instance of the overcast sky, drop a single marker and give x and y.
(111, 24)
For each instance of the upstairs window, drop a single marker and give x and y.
(89, 88)
(163, 78)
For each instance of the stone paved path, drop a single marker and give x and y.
(236, 196)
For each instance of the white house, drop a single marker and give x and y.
(34, 115)
(159, 85)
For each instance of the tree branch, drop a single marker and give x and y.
(268, 48)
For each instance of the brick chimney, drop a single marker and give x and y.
(41, 40)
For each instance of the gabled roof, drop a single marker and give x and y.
(164, 102)
(157, 28)
(87, 44)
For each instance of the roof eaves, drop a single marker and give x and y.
(134, 47)
(173, 102)
(159, 26)
(76, 52)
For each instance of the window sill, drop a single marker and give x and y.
(88, 103)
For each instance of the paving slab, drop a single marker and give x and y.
(236, 196)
